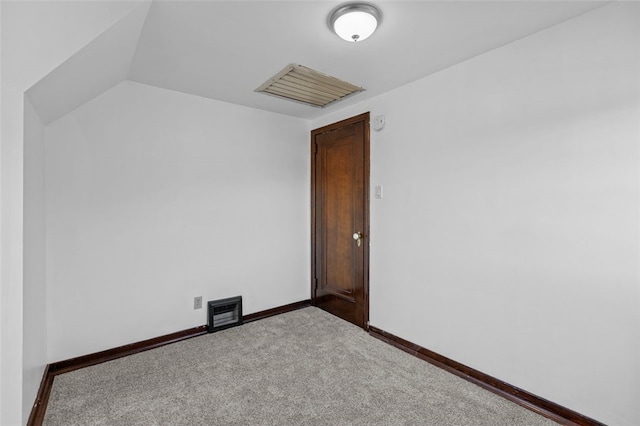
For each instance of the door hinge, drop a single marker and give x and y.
(315, 283)
(315, 148)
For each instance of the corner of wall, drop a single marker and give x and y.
(34, 289)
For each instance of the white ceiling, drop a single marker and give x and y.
(225, 49)
(96, 68)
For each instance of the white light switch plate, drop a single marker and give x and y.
(379, 192)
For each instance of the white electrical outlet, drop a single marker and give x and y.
(197, 302)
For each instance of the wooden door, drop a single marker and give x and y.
(340, 219)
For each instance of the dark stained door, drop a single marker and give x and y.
(340, 225)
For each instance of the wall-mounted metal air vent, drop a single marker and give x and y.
(311, 87)
(224, 313)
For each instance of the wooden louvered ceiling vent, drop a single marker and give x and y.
(298, 83)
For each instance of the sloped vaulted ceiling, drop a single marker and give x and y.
(225, 49)
(97, 67)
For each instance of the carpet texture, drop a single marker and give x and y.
(305, 367)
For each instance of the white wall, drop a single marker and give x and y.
(507, 238)
(154, 197)
(35, 38)
(34, 341)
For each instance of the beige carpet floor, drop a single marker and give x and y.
(305, 367)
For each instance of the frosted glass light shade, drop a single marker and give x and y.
(354, 22)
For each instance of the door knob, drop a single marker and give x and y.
(358, 237)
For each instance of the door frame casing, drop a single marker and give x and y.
(364, 118)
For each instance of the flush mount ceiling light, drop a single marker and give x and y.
(354, 21)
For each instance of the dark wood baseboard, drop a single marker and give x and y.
(544, 407)
(51, 370)
(125, 350)
(42, 398)
(145, 345)
(276, 311)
